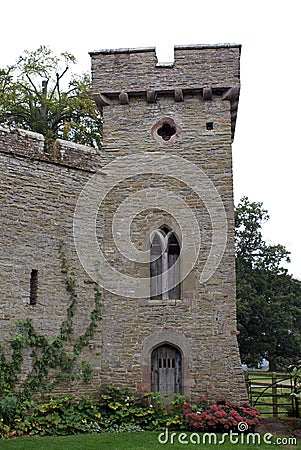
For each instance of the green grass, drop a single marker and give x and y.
(127, 441)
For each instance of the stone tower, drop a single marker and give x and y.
(166, 224)
(150, 218)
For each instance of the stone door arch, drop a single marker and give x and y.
(166, 370)
(161, 339)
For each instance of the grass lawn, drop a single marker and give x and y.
(132, 441)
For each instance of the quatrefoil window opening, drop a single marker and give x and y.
(165, 131)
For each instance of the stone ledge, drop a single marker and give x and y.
(111, 51)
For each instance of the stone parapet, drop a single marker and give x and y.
(21, 142)
(137, 70)
(27, 144)
(202, 70)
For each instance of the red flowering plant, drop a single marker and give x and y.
(222, 416)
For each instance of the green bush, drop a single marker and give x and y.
(121, 407)
(8, 409)
(59, 416)
(118, 410)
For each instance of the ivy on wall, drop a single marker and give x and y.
(58, 356)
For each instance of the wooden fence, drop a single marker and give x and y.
(270, 393)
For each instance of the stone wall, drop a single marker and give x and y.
(137, 70)
(206, 314)
(198, 94)
(39, 193)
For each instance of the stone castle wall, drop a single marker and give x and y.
(39, 193)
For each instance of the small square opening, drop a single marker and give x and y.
(209, 126)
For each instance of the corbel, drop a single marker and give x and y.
(151, 96)
(123, 98)
(100, 100)
(179, 97)
(231, 94)
(207, 92)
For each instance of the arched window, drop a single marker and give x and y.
(164, 266)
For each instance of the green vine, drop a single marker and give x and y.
(49, 354)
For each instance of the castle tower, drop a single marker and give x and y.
(167, 222)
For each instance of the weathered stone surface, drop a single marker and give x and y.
(39, 194)
(193, 67)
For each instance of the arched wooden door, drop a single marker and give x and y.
(166, 370)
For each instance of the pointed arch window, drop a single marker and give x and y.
(164, 266)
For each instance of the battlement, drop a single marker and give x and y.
(21, 142)
(27, 144)
(203, 70)
(138, 70)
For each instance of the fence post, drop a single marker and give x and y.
(296, 400)
(274, 395)
(247, 381)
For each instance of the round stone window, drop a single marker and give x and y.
(165, 131)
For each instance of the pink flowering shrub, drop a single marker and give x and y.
(221, 416)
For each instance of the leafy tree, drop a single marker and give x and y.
(268, 298)
(35, 95)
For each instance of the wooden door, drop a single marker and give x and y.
(167, 370)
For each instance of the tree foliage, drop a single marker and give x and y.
(268, 298)
(35, 95)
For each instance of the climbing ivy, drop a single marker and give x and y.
(59, 355)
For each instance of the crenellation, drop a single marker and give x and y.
(193, 68)
(21, 142)
(199, 70)
(27, 144)
(78, 156)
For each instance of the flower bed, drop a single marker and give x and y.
(121, 410)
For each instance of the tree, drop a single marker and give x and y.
(35, 96)
(268, 298)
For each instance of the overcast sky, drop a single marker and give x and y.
(266, 150)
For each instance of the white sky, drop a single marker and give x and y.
(266, 150)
